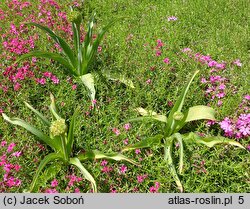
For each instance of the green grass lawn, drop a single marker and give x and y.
(218, 28)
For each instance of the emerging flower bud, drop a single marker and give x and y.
(58, 127)
(75, 16)
(178, 116)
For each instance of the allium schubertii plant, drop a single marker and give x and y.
(78, 60)
(171, 127)
(61, 141)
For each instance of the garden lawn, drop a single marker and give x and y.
(158, 45)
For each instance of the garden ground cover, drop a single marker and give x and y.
(158, 45)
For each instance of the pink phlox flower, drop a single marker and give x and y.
(54, 183)
(116, 131)
(127, 126)
(123, 169)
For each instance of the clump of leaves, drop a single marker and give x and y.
(61, 140)
(171, 127)
(78, 60)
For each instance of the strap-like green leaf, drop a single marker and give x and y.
(148, 142)
(43, 119)
(75, 161)
(152, 114)
(63, 44)
(199, 112)
(179, 139)
(119, 78)
(88, 81)
(70, 141)
(53, 108)
(171, 123)
(16, 121)
(209, 141)
(49, 158)
(95, 154)
(49, 55)
(168, 158)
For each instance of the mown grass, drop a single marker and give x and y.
(218, 28)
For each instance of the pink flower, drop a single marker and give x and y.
(77, 190)
(127, 126)
(159, 43)
(47, 74)
(141, 178)
(99, 49)
(148, 81)
(54, 79)
(247, 97)
(17, 154)
(219, 103)
(54, 183)
(11, 147)
(125, 141)
(41, 81)
(51, 191)
(74, 87)
(166, 60)
(123, 169)
(104, 162)
(3, 143)
(137, 151)
(17, 86)
(203, 80)
(158, 53)
(116, 131)
(172, 18)
(237, 63)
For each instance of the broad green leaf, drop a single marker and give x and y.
(200, 112)
(43, 119)
(63, 44)
(48, 158)
(53, 108)
(88, 81)
(50, 55)
(179, 139)
(168, 157)
(152, 114)
(70, 141)
(119, 78)
(95, 154)
(49, 173)
(171, 123)
(149, 142)
(209, 141)
(16, 121)
(86, 174)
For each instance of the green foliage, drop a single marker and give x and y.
(172, 124)
(61, 140)
(78, 61)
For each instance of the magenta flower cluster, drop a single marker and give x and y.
(9, 169)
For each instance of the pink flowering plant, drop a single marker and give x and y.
(175, 121)
(78, 60)
(61, 140)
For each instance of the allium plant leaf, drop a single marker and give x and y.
(76, 162)
(171, 123)
(50, 173)
(47, 159)
(63, 44)
(43, 119)
(181, 147)
(199, 112)
(168, 157)
(119, 78)
(95, 154)
(50, 55)
(44, 138)
(53, 108)
(209, 141)
(145, 143)
(88, 81)
(70, 139)
(152, 114)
